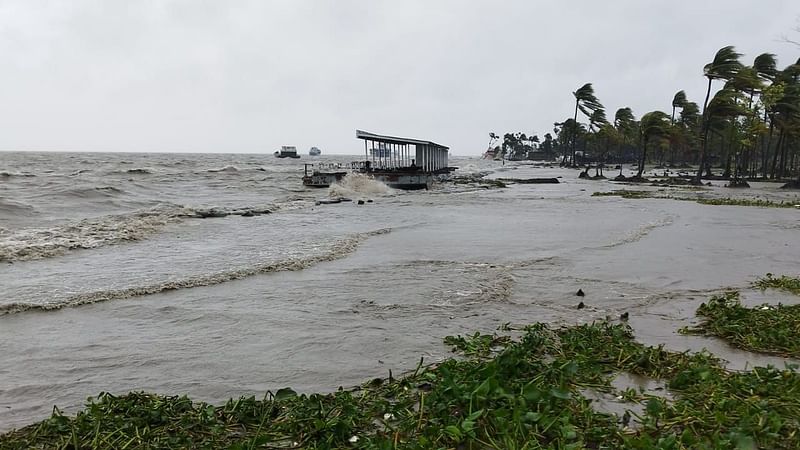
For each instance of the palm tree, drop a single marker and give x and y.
(766, 67)
(587, 103)
(677, 102)
(724, 66)
(654, 124)
(786, 115)
(624, 122)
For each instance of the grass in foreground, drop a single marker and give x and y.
(624, 193)
(502, 393)
(765, 328)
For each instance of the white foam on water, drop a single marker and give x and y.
(354, 184)
(338, 249)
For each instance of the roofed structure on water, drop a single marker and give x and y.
(391, 153)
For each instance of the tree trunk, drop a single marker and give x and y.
(706, 126)
(574, 132)
(731, 148)
(765, 154)
(641, 161)
(775, 155)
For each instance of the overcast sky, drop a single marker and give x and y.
(250, 76)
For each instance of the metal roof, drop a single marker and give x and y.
(395, 140)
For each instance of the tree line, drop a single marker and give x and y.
(749, 128)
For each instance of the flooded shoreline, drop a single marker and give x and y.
(456, 261)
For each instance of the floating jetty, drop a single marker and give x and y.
(400, 163)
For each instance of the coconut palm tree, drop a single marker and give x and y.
(625, 123)
(587, 103)
(724, 67)
(766, 66)
(653, 124)
(677, 102)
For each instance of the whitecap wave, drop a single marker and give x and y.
(355, 184)
(225, 169)
(38, 243)
(337, 250)
(640, 232)
(46, 242)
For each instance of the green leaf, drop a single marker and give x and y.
(285, 393)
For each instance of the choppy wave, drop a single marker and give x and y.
(337, 250)
(354, 184)
(139, 170)
(6, 174)
(37, 243)
(640, 232)
(83, 192)
(13, 208)
(225, 169)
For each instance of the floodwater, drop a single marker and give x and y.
(109, 280)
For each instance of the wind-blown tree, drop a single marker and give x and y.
(625, 124)
(547, 146)
(678, 101)
(748, 83)
(724, 110)
(607, 136)
(587, 103)
(493, 137)
(786, 115)
(724, 67)
(653, 125)
(766, 67)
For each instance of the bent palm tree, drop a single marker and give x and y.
(624, 123)
(678, 101)
(587, 103)
(724, 66)
(654, 124)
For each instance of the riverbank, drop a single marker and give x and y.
(537, 384)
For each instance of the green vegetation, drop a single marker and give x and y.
(749, 127)
(501, 393)
(765, 329)
(786, 283)
(624, 193)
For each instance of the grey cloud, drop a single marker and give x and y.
(250, 76)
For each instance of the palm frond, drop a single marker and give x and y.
(725, 64)
(679, 99)
(766, 66)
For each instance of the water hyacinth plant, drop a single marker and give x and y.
(500, 393)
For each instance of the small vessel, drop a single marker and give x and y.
(287, 151)
(314, 151)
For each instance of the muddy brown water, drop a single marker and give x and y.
(320, 296)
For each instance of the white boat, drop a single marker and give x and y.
(287, 151)
(314, 151)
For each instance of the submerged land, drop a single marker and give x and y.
(532, 386)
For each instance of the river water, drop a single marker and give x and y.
(110, 280)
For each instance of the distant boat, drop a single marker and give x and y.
(314, 151)
(287, 151)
